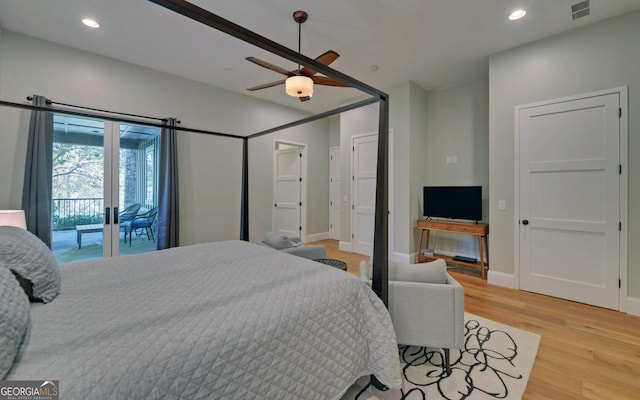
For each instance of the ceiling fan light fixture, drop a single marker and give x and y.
(299, 86)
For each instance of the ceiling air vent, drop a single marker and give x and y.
(580, 9)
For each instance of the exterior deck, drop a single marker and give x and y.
(65, 245)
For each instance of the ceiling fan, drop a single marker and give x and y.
(299, 82)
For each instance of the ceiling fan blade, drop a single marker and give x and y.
(267, 85)
(326, 81)
(270, 66)
(326, 58)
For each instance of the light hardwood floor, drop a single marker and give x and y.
(586, 352)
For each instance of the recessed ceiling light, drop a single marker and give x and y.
(91, 23)
(517, 14)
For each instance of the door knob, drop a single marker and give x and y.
(525, 222)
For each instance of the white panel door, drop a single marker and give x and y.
(334, 193)
(570, 199)
(287, 191)
(364, 162)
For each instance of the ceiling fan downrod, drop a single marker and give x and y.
(300, 17)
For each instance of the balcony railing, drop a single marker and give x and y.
(67, 213)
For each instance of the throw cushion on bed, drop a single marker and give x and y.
(32, 261)
(431, 272)
(278, 241)
(14, 318)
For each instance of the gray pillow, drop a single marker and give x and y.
(431, 272)
(14, 318)
(31, 261)
(278, 241)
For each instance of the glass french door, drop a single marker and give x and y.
(104, 182)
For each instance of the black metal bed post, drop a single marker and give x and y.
(244, 212)
(380, 279)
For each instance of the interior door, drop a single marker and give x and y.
(364, 162)
(287, 191)
(334, 193)
(570, 199)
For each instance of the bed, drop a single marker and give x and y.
(224, 320)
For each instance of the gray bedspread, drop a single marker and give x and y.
(225, 320)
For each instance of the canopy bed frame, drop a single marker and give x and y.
(184, 8)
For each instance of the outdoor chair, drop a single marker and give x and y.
(142, 221)
(129, 213)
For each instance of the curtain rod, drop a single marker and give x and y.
(97, 109)
(111, 118)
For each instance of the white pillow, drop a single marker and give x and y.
(14, 318)
(431, 272)
(278, 241)
(31, 261)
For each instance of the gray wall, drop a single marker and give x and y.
(426, 126)
(600, 56)
(418, 103)
(334, 131)
(458, 125)
(407, 119)
(210, 168)
(315, 136)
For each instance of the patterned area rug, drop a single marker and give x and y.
(495, 363)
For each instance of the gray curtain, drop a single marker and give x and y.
(36, 192)
(168, 188)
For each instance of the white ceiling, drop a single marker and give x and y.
(435, 43)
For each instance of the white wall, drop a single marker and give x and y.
(458, 125)
(596, 57)
(210, 167)
(419, 118)
(365, 120)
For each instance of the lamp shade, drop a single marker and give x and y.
(13, 218)
(299, 86)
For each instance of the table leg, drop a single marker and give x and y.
(426, 245)
(79, 239)
(419, 247)
(481, 256)
(486, 250)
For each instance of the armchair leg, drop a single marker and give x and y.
(378, 385)
(447, 361)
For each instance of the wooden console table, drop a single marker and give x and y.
(479, 230)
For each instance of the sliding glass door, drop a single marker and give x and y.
(104, 188)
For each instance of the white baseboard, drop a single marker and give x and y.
(632, 306)
(502, 279)
(345, 246)
(314, 237)
(402, 258)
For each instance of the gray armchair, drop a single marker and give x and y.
(423, 313)
(293, 245)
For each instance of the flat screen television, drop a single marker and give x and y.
(455, 202)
